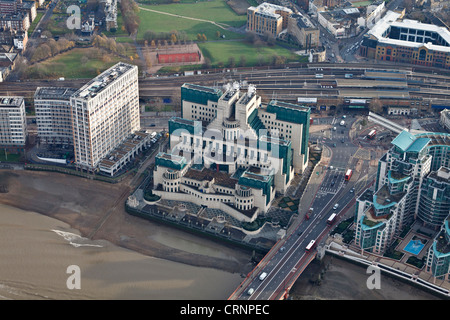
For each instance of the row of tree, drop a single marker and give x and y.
(130, 15)
(174, 36)
(51, 48)
(102, 41)
(274, 60)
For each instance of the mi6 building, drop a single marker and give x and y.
(230, 152)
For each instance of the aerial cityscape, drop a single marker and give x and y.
(229, 150)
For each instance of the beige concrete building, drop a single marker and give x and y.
(267, 18)
(53, 115)
(13, 128)
(304, 32)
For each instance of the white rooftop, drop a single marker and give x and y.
(390, 19)
(270, 9)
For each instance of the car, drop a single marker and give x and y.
(332, 183)
(336, 206)
(334, 144)
(352, 190)
(250, 291)
(300, 233)
(282, 249)
(263, 276)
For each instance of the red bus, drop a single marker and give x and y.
(372, 134)
(348, 174)
(331, 219)
(310, 245)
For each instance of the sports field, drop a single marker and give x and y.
(220, 53)
(204, 17)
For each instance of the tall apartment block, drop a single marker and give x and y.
(267, 18)
(412, 184)
(104, 113)
(13, 128)
(438, 259)
(53, 115)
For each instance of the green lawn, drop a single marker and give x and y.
(220, 52)
(362, 3)
(9, 157)
(214, 10)
(72, 65)
(57, 24)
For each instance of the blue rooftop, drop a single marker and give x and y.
(418, 144)
(403, 140)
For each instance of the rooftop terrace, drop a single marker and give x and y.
(96, 85)
(11, 102)
(54, 93)
(220, 178)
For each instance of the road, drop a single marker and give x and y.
(288, 258)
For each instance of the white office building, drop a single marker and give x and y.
(104, 113)
(53, 114)
(13, 128)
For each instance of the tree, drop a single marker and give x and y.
(130, 16)
(42, 52)
(232, 62)
(173, 38)
(376, 105)
(260, 59)
(207, 64)
(84, 60)
(242, 61)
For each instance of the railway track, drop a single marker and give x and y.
(270, 82)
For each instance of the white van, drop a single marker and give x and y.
(262, 276)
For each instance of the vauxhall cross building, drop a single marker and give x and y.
(230, 152)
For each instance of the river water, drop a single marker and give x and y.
(36, 253)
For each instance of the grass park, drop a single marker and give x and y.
(76, 63)
(180, 17)
(224, 46)
(220, 53)
(222, 50)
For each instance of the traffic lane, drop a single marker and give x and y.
(298, 258)
(310, 230)
(282, 264)
(277, 273)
